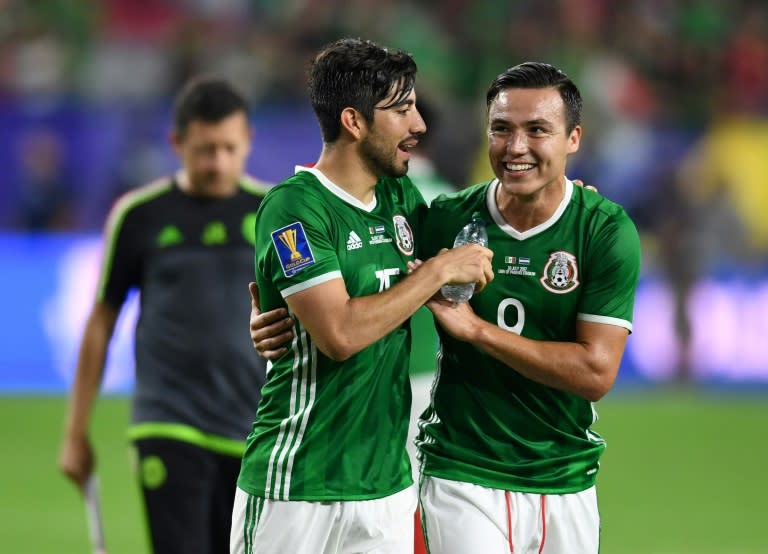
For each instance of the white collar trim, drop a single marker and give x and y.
(337, 190)
(493, 208)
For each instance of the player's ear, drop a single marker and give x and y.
(175, 139)
(574, 139)
(352, 122)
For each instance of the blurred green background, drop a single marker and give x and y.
(684, 473)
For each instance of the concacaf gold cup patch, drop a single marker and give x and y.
(561, 273)
(293, 248)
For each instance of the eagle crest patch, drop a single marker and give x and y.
(561, 273)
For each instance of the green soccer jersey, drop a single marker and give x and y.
(327, 430)
(487, 424)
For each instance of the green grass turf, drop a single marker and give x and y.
(683, 473)
(41, 512)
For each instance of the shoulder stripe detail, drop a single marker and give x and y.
(292, 428)
(254, 185)
(120, 209)
(308, 284)
(592, 318)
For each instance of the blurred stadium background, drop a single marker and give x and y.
(676, 130)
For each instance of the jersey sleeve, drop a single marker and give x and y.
(121, 257)
(295, 248)
(613, 271)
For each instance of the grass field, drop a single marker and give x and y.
(684, 473)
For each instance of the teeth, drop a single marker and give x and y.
(519, 167)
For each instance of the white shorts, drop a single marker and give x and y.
(458, 518)
(380, 526)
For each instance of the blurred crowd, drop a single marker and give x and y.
(676, 99)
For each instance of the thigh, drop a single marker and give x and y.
(572, 523)
(380, 526)
(175, 479)
(460, 517)
(263, 526)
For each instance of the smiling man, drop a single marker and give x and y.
(326, 469)
(508, 456)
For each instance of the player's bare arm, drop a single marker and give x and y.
(342, 326)
(76, 458)
(270, 331)
(586, 367)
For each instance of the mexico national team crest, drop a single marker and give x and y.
(403, 234)
(561, 274)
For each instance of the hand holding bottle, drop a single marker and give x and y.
(473, 232)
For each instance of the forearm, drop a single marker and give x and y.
(341, 325)
(360, 321)
(90, 368)
(580, 368)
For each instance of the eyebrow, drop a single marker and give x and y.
(538, 122)
(407, 102)
(525, 123)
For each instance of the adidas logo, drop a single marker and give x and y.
(354, 241)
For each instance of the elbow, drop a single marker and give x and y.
(338, 351)
(593, 394)
(338, 355)
(335, 342)
(599, 387)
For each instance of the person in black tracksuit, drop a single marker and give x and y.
(186, 243)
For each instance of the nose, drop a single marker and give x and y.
(517, 142)
(217, 158)
(418, 127)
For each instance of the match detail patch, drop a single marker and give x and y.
(292, 248)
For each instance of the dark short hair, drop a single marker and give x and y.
(533, 75)
(206, 99)
(356, 73)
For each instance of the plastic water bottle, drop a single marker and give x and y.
(472, 233)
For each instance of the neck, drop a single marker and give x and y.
(524, 212)
(343, 165)
(205, 190)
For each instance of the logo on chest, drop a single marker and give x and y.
(561, 273)
(169, 236)
(403, 235)
(354, 241)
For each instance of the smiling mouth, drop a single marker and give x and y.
(408, 145)
(518, 166)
